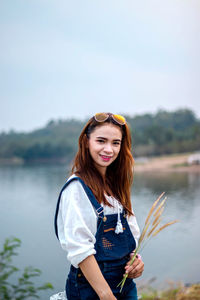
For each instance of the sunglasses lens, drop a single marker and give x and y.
(119, 119)
(101, 117)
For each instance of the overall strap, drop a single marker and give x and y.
(94, 202)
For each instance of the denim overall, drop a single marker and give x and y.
(112, 253)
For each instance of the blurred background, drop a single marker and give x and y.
(63, 61)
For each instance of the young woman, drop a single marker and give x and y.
(94, 219)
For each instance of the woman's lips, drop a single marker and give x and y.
(106, 158)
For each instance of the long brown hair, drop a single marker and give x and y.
(119, 175)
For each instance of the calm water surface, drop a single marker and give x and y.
(28, 196)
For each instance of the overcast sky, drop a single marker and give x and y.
(63, 59)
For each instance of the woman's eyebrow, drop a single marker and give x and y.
(101, 137)
(104, 138)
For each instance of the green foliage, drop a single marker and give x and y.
(165, 133)
(24, 288)
(174, 292)
(152, 134)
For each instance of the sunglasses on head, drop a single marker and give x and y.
(102, 117)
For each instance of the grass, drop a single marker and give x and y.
(185, 164)
(151, 229)
(173, 292)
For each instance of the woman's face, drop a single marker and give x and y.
(104, 145)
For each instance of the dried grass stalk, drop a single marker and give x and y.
(153, 207)
(158, 216)
(144, 232)
(159, 207)
(164, 226)
(154, 227)
(153, 223)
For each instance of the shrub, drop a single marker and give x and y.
(24, 288)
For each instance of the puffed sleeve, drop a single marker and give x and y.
(77, 223)
(134, 228)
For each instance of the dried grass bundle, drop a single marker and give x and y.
(150, 229)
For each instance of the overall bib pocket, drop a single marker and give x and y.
(114, 245)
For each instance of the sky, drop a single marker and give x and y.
(70, 59)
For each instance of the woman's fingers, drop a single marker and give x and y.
(129, 267)
(136, 269)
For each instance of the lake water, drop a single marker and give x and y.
(28, 196)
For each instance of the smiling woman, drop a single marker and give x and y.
(104, 145)
(94, 219)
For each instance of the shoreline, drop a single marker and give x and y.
(167, 163)
(164, 163)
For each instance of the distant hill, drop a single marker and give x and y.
(152, 134)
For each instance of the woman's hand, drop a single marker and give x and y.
(136, 269)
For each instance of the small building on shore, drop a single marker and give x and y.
(194, 159)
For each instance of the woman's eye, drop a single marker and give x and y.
(100, 141)
(116, 143)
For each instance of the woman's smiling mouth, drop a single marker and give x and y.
(105, 157)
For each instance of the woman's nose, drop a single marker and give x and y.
(108, 148)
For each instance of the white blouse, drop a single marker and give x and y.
(77, 222)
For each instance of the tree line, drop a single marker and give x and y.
(152, 134)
